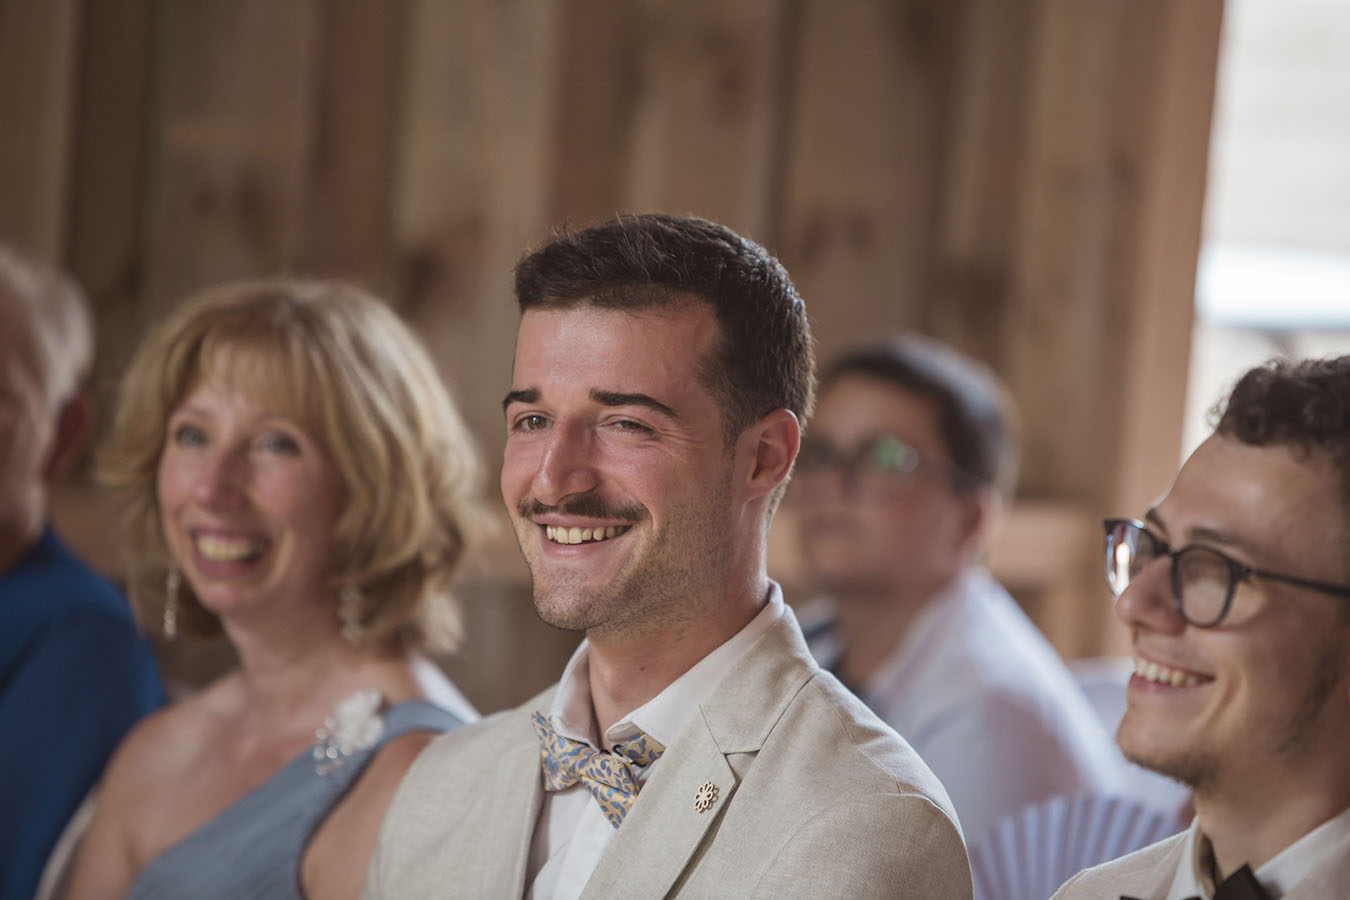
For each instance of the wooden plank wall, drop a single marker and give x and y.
(1023, 178)
(38, 61)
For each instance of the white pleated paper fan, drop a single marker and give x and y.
(1031, 853)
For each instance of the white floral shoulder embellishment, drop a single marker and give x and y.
(355, 725)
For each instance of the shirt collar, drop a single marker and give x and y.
(661, 717)
(1330, 840)
(926, 634)
(1279, 875)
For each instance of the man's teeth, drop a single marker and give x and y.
(223, 549)
(563, 535)
(1151, 671)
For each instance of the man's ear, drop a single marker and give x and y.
(768, 448)
(72, 427)
(984, 514)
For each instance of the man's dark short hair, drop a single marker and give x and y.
(1303, 404)
(764, 359)
(976, 416)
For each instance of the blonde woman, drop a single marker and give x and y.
(297, 478)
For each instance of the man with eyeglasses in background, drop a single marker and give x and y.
(900, 487)
(1236, 591)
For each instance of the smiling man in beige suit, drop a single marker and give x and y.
(1236, 589)
(692, 748)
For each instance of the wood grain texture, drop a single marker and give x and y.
(863, 143)
(1021, 178)
(107, 242)
(230, 142)
(707, 122)
(38, 51)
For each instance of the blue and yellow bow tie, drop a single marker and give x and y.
(611, 777)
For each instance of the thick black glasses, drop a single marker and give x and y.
(883, 458)
(1203, 579)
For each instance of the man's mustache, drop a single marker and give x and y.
(589, 506)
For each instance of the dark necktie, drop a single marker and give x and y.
(1241, 885)
(611, 777)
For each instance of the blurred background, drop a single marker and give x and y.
(1037, 182)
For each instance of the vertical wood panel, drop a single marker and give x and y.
(1105, 262)
(864, 146)
(707, 122)
(1066, 307)
(347, 223)
(976, 215)
(1174, 148)
(231, 141)
(106, 239)
(597, 90)
(107, 246)
(38, 40)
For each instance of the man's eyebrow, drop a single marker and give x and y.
(528, 395)
(1215, 536)
(1201, 534)
(616, 398)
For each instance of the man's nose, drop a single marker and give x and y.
(1148, 603)
(567, 466)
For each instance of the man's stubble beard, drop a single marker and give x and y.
(661, 585)
(1202, 768)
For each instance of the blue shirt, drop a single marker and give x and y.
(75, 675)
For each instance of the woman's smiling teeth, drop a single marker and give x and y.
(561, 534)
(228, 549)
(1151, 671)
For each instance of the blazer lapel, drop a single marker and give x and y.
(666, 825)
(663, 831)
(1161, 873)
(517, 795)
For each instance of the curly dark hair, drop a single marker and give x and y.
(1303, 404)
(765, 358)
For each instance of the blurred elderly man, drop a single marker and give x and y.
(1236, 591)
(902, 478)
(74, 672)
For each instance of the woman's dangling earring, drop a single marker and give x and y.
(349, 614)
(172, 582)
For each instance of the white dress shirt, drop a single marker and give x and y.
(1278, 876)
(979, 692)
(572, 831)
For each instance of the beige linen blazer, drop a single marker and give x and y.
(816, 797)
(1147, 874)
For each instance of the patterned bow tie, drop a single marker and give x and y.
(1241, 885)
(611, 777)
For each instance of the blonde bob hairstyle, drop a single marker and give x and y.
(345, 367)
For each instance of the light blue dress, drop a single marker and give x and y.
(253, 849)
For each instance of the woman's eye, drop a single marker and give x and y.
(276, 442)
(186, 435)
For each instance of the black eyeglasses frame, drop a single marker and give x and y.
(1237, 571)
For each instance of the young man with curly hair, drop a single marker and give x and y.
(1236, 591)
